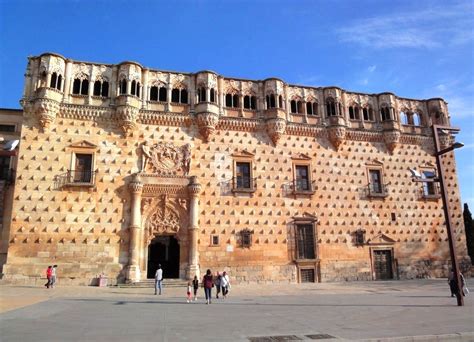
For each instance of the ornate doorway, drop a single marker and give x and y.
(164, 251)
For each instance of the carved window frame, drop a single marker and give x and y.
(214, 240)
(305, 161)
(376, 166)
(83, 148)
(426, 193)
(243, 157)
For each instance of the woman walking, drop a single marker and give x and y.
(208, 283)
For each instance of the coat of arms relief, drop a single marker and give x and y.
(166, 159)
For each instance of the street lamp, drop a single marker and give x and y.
(440, 179)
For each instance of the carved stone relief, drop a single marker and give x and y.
(166, 159)
(163, 215)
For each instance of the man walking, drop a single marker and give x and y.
(158, 280)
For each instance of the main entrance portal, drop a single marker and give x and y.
(163, 250)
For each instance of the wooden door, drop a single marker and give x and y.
(383, 264)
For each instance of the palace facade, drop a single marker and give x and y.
(121, 167)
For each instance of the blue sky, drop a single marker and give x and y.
(417, 49)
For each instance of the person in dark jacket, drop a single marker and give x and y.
(208, 283)
(195, 286)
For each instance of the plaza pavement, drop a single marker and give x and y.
(376, 311)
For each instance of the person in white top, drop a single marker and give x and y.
(158, 280)
(225, 284)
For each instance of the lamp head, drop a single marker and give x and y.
(414, 173)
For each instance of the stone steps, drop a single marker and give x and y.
(150, 283)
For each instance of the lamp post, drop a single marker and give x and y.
(447, 212)
(417, 177)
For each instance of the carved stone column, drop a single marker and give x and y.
(133, 270)
(194, 188)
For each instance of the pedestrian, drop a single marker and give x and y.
(464, 288)
(54, 275)
(158, 280)
(49, 273)
(217, 282)
(453, 284)
(208, 284)
(225, 284)
(188, 293)
(195, 286)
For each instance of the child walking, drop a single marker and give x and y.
(188, 293)
(195, 286)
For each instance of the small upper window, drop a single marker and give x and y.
(180, 95)
(101, 88)
(135, 88)
(331, 107)
(270, 99)
(232, 101)
(123, 87)
(212, 95)
(201, 94)
(354, 113)
(250, 102)
(80, 86)
(417, 121)
(56, 81)
(296, 107)
(385, 113)
(312, 108)
(7, 128)
(368, 113)
(245, 238)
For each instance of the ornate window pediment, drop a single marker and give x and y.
(243, 154)
(301, 156)
(83, 144)
(381, 239)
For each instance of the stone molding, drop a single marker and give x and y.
(47, 111)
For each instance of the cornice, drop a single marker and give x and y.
(164, 118)
(240, 124)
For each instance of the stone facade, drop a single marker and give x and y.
(267, 180)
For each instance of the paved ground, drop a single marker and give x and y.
(362, 310)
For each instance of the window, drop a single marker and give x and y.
(246, 238)
(4, 168)
(359, 237)
(230, 101)
(212, 95)
(368, 113)
(311, 108)
(7, 128)
(135, 88)
(250, 102)
(393, 217)
(201, 94)
(179, 95)
(163, 94)
(270, 99)
(242, 176)
(429, 188)
(56, 81)
(385, 113)
(330, 107)
(154, 93)
(82, 172)
(417, 121)
(80, 86)
(123, 87)
(376, 188)
(302, 182)
(305, 241)
(354, 113)
(214, 240)
(158, 94)
(280, 101)
(404, 118)
(101, 88)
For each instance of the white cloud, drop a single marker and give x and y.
(426, 28)
(371, 68)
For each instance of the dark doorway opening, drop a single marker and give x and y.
(383, 264)
(163, 250)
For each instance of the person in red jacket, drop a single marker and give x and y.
(208, 284)
(49, 276)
